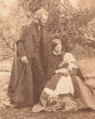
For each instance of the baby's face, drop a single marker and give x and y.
(69, 58)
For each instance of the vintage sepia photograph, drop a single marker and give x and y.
(47, 59)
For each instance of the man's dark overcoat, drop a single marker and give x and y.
(20, 89)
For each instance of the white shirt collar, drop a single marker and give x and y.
(39, 27)
(56, 53)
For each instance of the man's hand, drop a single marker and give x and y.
(25, 60)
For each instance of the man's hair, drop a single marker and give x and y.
(41, 12)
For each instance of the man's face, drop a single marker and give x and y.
(43, 20)
(41, 16)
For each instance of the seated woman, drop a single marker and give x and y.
(58, 86)
(65, 87)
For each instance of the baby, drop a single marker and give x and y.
(69, 58)
(65, 85)
(67, 64)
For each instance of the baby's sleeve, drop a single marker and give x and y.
(72, 65)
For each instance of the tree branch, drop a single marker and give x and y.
(6, 42)
(65, 8)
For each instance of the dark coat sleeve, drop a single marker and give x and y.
(21, 88)
(21, 40)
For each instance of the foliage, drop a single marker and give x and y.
(64, 22)
(9, 30)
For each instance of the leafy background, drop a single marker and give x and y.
(75, 27)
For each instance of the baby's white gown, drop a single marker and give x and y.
(64, 86)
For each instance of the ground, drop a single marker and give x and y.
(26, 113)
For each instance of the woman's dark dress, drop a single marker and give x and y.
(84, 95)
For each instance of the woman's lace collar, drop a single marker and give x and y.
(56, 53)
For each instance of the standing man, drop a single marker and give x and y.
(40, 58)
(31, 58)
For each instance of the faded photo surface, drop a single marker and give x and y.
(47, 59)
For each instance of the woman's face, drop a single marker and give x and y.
(58, 49)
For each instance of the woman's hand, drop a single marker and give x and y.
(62, 70)
(25, 60)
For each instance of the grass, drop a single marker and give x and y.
(88, 65)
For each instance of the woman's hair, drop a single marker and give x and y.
(54, 43)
